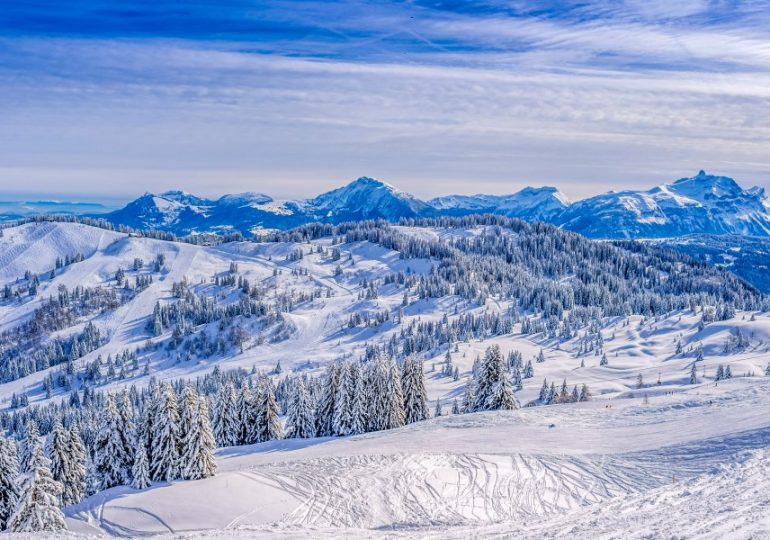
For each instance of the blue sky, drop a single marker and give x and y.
(113, 98)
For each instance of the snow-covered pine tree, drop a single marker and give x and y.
(226, 425)
(488, 392)
(110, 459)
(165, 451)
(188, 409)
(693, 375)
(75, 485)
(268, 425)
(455, 407)
(395, 417)
(37, 507)
(30, 443)
(415, 395)
(359, 411)
(468, 398)
(501, 397)
(197, 458)
(57, 452)
(126, 424)
(140, 472)
(300, 423)
(245, 410)
(324, 414)
(437, 411)
(343, 404)
(9, 472)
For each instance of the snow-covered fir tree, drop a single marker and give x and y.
(37, 508)
(226, 422)
(197, 456)
(413, 387)
(165, 438)
(300, 422)
(9, 472)
(112, 458)
(140, 471)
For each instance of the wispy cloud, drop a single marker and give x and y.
(291, 98)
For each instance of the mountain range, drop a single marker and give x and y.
(702, 204)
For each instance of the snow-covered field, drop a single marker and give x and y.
(662, 459)
(692, 464)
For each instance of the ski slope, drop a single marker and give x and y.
(609, 468)
(537, 471)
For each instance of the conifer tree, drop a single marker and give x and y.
(31, 442)
(245, 412)
(343, 403)
(324, 416)
(395, 417)
(165, 451)
(415, 395)
(359, 416)
(226, 425)
(268, 425)
(300, 423)
(37, 507)
(140, 472)
(9, 472)
(57, 452)
(75, 485)
(110, 459)
(197, 458)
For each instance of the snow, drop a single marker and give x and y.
(618, 469)
(613, 467)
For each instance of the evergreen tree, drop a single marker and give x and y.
(359, 416)
(57, 452)
(267, 421)
(693, 375)
(9, 472)
(75, 485)
(110, 459)
(343, 403)
(300, 423)
(165, 451)
(30, 444)
(37, 508)
(395, 417)
(198, 445)
(140, 472)
(226, 425)
(492, 388)
(324, 416)
(413, 387)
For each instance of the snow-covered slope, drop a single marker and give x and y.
(650, 438)
(704, 204)
(529, 204)
(367, 198)
(695, 461)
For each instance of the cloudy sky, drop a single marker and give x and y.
(110, 98)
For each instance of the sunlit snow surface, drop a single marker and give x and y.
(692, 462)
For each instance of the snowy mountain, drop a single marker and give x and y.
(529, 204)
(367, 198)
(466, 377)
(702, 204)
